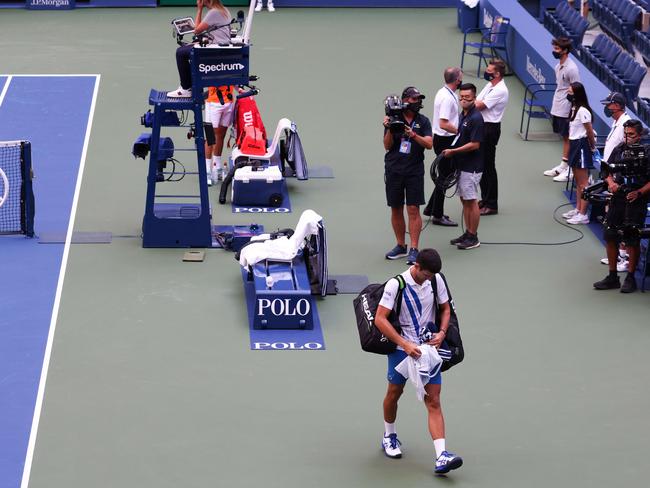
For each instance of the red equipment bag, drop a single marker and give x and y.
(252, 141)
(248, 116)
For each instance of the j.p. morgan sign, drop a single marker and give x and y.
(50, 4)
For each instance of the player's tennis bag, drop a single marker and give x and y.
(365, 309)
(453, 342)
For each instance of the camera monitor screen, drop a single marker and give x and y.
(184, 25)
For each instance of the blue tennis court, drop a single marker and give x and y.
(55, 114)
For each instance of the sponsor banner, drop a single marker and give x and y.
(50, 4)
(283, 339)
(218, 66)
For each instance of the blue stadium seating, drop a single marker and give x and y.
(565, 21)
(643, 109)
(642, 42)
(614, 66)
(618, 18)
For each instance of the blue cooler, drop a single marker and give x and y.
(467, 17)
(257, 187)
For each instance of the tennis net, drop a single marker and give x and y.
(16, 193)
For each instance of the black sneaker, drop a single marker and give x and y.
(458, 239)
(629, 284)
(397, 252)
(609, 283)
(470, 242)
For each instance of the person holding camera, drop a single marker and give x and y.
(217, 15)
(614, 107)
(405, 140)
(418, 322)
(445, 128)
(468, 159)
(628, 180)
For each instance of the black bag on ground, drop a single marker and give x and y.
(453, 341)
(365, 309)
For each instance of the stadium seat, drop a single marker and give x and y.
(618, 18)
(565, 21)
(491, 43)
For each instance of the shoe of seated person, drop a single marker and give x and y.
(556, 170)
(447, 461)
(570, 213)
(397, 252)
(180, 92)
(270, 7)
(629, 284)
(258, 7)
(390, 444)
(608, 283)
(564, 176)
(578, 219)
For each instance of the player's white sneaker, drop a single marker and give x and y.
(390, 444)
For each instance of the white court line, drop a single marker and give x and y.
(5, 88)
(57, 300)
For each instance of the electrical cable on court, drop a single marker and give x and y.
(562, 243)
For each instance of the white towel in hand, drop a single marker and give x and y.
(421, 370)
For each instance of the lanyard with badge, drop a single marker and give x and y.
(405, 145)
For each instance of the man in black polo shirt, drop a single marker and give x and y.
(404, 173)
(468, 159)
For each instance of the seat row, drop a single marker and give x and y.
(565, 21)
(641, 41)
(613, 66)
(618, 18)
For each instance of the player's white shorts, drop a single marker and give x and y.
(219, 115)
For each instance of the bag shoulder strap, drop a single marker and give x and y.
(400, 291)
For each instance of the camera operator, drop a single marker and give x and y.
(404, 172)
(614, 107)
(216, 15)
(628, 179)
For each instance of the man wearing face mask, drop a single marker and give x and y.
(614, 107)
(627, 208)
(445, 128)
(404, 173)
(566, 72)
(491, 102)
(468, 158)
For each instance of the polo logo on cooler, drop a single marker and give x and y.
(283, 307)
(207, 68)
(287, 346)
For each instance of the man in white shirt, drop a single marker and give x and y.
(566, 72)
(445, 129)
(614, 107)
(491, 102)
(418, 322)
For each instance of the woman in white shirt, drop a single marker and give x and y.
(582, 143)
